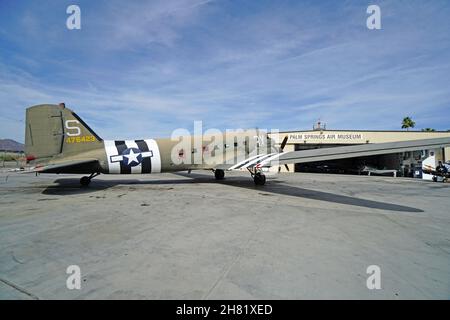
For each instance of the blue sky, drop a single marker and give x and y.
(143, 68)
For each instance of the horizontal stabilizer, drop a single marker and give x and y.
(76, 166)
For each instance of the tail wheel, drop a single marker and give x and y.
(219, 174)
(259, 179)
(84, 181)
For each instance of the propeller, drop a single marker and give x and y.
(283, 144)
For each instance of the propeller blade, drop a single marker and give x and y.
(283, 143)
(287, 167)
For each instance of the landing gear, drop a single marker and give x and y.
(219, 174)
(85, 181)
(259, 179)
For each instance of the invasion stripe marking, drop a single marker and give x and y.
(121, 147)
(147, 161)
(246, 161)
(256, 161)
(156, 156)
(111, 151)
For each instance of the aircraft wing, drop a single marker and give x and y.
(248, 163)
(304, 156)
(74, 166)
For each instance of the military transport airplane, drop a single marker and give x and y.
(57, 140)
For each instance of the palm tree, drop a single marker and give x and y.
(428, 129)
(407, 123)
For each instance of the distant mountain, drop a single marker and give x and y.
(11, 145)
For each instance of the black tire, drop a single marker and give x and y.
(219, 174)
(259, 179)
(84, 181)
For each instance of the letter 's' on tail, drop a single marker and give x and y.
(54, 129)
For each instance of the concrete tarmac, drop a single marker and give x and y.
(180, 236)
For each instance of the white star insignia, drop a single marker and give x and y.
(132, 157)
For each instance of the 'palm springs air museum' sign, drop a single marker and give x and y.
(327, 137)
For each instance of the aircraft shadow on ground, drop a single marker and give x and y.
(71, 186)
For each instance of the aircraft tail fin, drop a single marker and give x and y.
(54, 129)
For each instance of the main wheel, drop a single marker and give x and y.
(84, 181)
(259, 179)
(219, 174)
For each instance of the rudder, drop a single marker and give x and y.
(54, 129)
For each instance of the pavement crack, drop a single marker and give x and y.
(15, 258)
(227, 270)
(16, 287)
